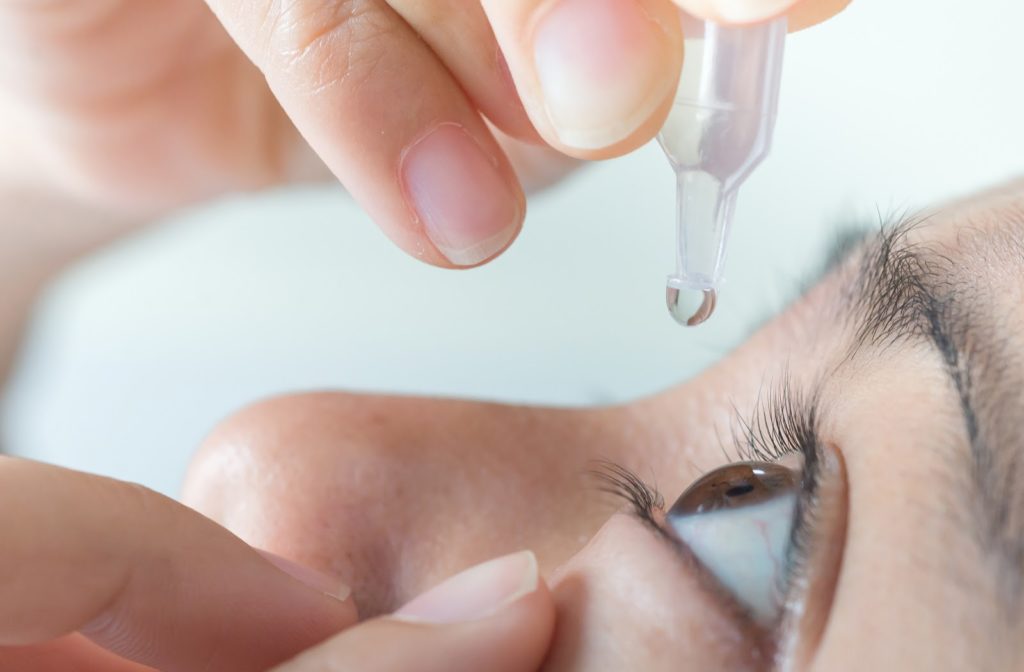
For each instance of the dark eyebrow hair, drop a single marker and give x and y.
(908, 291)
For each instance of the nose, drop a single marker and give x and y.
(392, 495)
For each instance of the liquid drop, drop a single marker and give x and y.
(690, 307)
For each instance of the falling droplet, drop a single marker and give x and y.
(690, 307)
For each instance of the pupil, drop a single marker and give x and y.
(739, 490)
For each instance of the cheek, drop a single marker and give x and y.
(627, 601)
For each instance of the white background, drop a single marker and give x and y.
(138, 352)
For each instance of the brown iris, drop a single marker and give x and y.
(734, 486)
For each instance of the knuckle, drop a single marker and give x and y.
(317, 45)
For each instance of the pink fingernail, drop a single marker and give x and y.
(602, 69)
(469, 208)
(746, 11)
(326, 584)
(476, 592)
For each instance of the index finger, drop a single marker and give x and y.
(144, 577)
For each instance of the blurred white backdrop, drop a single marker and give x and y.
(137, 353)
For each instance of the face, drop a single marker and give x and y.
(875, 519)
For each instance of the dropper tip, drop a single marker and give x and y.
(681, 305)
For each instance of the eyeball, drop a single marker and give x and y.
(737, 520)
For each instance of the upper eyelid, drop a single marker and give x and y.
(901, 291)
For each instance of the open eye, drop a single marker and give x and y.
(737, 521)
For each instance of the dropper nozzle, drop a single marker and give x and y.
(719, 129)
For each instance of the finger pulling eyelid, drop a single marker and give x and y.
(648, 510)
(731, 527)
(627, 574)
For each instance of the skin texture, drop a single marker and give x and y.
(393, 494)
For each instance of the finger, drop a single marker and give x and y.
(497, 616)
(801, 13)
(388, 119)
(596, 76)
(458, 32)
(144, 577)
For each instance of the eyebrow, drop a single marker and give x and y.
(905, 291)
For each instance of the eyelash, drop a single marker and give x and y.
(784, 422)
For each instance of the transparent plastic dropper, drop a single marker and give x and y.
(719, 129)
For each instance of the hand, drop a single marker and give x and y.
(146, 104)
(97, 574)
(141, 578)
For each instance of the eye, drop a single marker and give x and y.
(737, 521)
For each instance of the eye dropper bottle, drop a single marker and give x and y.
(718, 131)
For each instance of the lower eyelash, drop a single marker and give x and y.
(615, 479)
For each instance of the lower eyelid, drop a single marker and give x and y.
(737, 522)
(745, 550)
(697, 600)
(762, 639)
(648, 511)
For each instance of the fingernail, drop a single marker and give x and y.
(602, 69)
(469, 208)
(477, 592)
(746, 11)
(324, 583)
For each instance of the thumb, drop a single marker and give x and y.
(497, 616)
(801, 13)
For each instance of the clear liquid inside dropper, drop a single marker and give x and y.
(718, 131)
(703, 214)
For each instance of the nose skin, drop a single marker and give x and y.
(392, 495)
